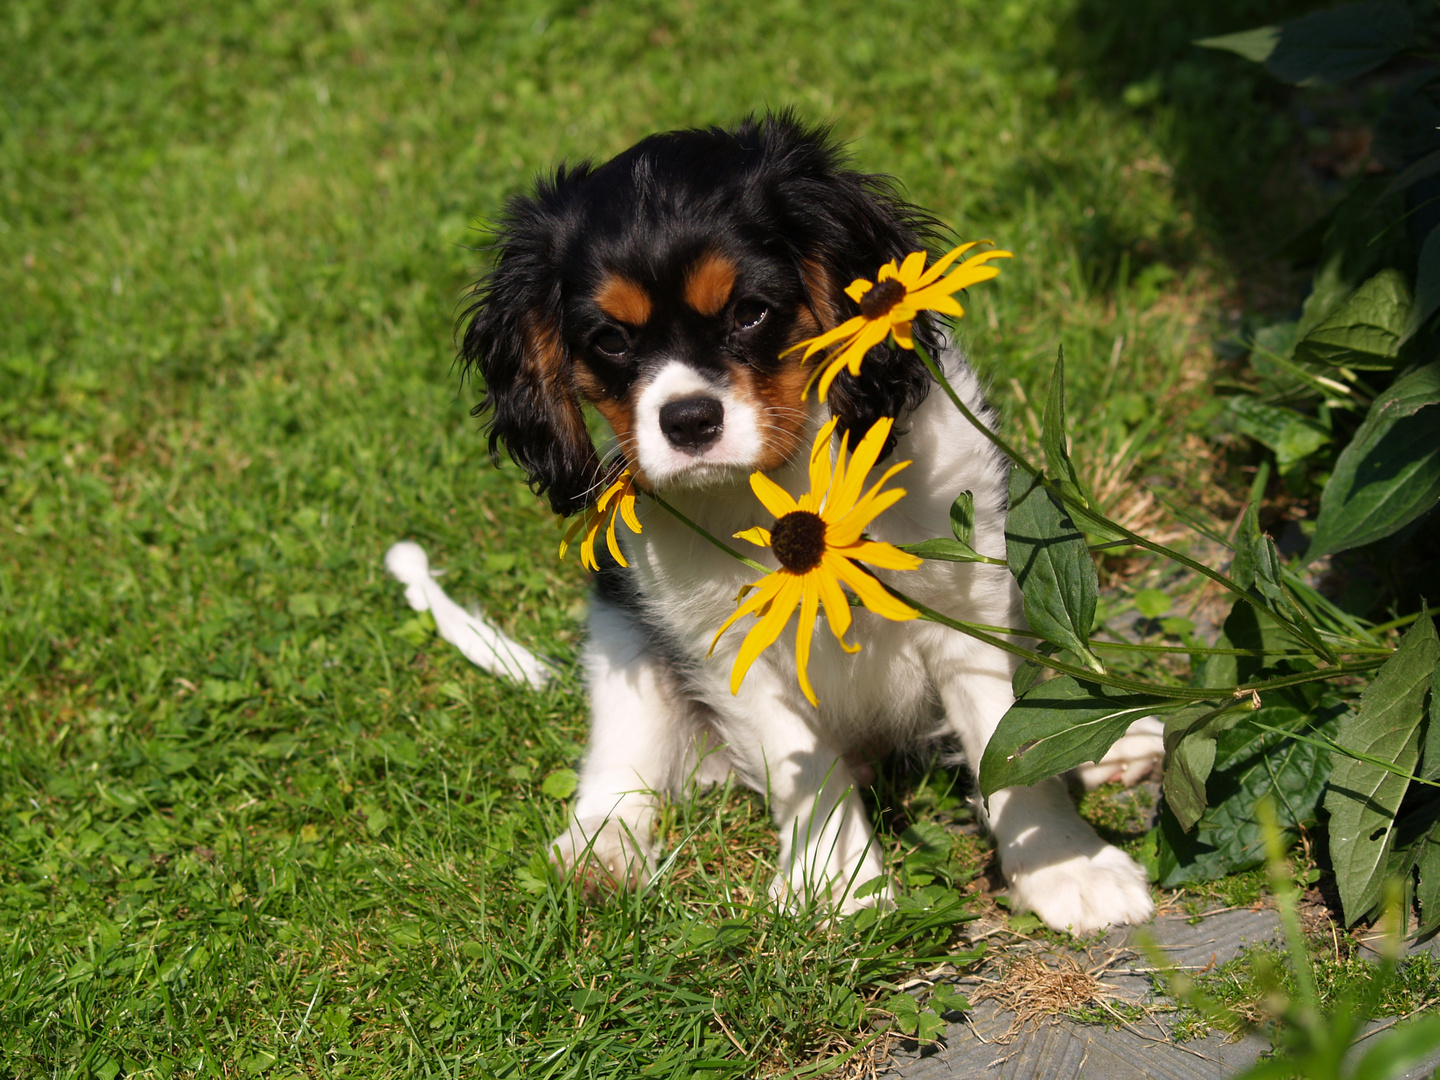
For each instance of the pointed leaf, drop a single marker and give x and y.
(1052, 437)
(1400, 1050)
(1427, 892)
(1363, 798)
(1256, 45)
(1389, 475)
(1190, 751)
(1427, 280)
(1049, 558)
(1339, 44)
(1366, 330)
(962, 517)
(1250, 763)
(943, 549)
(1057, 725)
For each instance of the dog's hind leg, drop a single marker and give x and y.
(643, 745)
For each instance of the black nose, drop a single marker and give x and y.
(692, 423)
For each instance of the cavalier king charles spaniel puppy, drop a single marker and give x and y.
(664, 289)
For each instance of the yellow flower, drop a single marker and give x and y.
(818, 541)
(889, 304)
(617, 500)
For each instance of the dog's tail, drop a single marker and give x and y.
(480, 642)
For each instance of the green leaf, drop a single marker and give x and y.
(1050, 560)
(1256, 45)
(1249, 764)
(1427, 891)
(1190, 751)
(1339, 44)
(1389, 475)
(1365, 332)
(1400, 1049)
(560, 784)
(943, 549)
(1152, 603)
(1427, 280)
(1363, 799)
(1057, 725)
(1292, 435)
(962, 517)
(1052, 437)
(1430, 757)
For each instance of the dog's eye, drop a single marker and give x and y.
(750, 314)
(611, 342)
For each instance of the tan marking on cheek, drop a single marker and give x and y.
(782, 415)
(618, 413)
(624, 300)
(824, 293)
(709, 282)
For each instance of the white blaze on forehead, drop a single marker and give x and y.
(739, 444)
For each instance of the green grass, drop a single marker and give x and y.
(253, 818)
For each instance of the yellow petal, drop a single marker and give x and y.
(858, 288)
(830, 337)
(764, 633)
(911, 269)
(874, 503)
(627, 510)
(837, 606)
(819, 468)
(804, 633)
(765, 591)
(757, 536)
(612, 543)
(871, 593)
(903, 336)
(880, 554)
(888, 271)
(943, 263)
(870, 335)
(845, 490)
(772, 496)
(815, 344)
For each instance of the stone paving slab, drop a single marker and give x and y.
(971, 1049)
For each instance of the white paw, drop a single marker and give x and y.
(603, 853)
(1135, 755)
(1083, 892)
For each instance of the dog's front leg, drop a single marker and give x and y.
(639, 735)
(827, 847)
(1056, 866)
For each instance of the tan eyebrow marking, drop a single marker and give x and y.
(623, 300)
(709, 282)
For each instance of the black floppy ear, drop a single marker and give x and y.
(514, 340)
(845, 225)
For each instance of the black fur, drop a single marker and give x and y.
(781, 193)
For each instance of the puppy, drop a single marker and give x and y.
(664, 288)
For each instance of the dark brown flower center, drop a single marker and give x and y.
(798, 540)
(884, 296)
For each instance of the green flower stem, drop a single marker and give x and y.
(1137, 686)
(709, 536)
(1094, 517)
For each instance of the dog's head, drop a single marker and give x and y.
(663, 288)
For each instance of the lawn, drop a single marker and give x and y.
(254, 817)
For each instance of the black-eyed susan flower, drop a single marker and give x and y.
(617, 500)
(891, 302)
(819, 542)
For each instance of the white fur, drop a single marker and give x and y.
(737, 448)
(912, 683)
